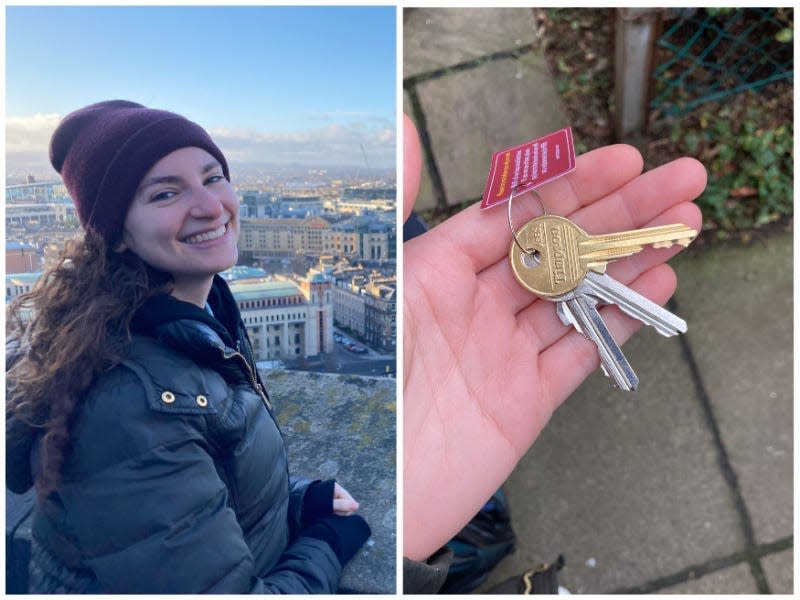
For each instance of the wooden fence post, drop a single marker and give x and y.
(634, 44)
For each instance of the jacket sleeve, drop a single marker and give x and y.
(298, 486)
(151, 513)
(427, 577)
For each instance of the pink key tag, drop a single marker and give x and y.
(525, 167)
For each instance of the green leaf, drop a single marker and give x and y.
(726, 153)
(691, 140)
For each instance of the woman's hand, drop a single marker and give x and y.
(485, 362)
(343, 503)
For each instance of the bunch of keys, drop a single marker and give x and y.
(555, 259)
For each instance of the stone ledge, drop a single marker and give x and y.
(343, 427)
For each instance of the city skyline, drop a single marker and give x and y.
(274, 86)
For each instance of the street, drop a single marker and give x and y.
(371, 363)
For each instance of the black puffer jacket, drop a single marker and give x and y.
(177, 478)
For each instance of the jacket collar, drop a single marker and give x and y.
(158, 312)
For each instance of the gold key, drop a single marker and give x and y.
(560, 253)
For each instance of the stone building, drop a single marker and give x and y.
(285, 318)
(27, 215)
(381, 313)
(261, 238)
(36, 193)
(22, 258)
(366, 305)
(20, 283)
(366, 237)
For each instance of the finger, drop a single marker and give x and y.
(643, 199)
(540, 324)
(572, 358)
(412, 166)
(510, 295)
(344, 506)
(483, 236)
(340, 492)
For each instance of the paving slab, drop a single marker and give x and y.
(473, 113)
(732, 580)
(435, 38)
(625, 485)
(343, 427)
(779, 569)
(738, 302)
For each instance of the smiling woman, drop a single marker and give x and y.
(133, 403)
(184, 219)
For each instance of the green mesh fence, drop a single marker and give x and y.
(708, 54)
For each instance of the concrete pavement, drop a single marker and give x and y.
(686, 485)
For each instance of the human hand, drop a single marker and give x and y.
(344, 534)
(485, 361)
(343, 503)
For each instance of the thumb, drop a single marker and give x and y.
(344, 506)
(412, 165)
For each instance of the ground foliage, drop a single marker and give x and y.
(745, 140)
(578, 44)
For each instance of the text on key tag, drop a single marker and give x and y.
(562, 253)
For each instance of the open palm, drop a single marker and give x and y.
(485, 361)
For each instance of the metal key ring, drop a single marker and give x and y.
(510, 224)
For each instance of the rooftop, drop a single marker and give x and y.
(242, 272)
(23, 278)
(262, 287)
(18, 246)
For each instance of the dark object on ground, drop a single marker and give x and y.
(477, 548)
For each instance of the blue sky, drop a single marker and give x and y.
(271, 84)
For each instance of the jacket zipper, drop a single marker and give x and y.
(253, 381)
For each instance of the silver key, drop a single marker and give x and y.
(580, 310)
(580, 305)
(608, 290)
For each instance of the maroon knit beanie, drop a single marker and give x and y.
(103, 151)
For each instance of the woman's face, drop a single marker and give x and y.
(184, 219)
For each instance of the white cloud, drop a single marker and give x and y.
(30, 134)
(332, 145)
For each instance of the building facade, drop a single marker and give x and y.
(286, 318)
(260, 238)
(36, 193)
(20, 283)
(22, 258)
(26, 215)
(366, 305)
(366, 238)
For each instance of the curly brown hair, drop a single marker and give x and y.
(73, 325)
